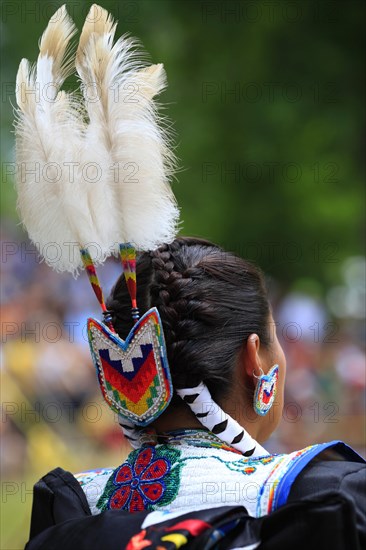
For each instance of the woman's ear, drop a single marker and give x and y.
(251, 356)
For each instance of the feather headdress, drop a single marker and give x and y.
(93, 171)
(49, 136)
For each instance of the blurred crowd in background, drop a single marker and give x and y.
(52, 400)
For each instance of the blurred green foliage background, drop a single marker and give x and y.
(267, 102)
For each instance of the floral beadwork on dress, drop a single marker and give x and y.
(249, 466)
(150, 477)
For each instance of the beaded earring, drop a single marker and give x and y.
(265, 390)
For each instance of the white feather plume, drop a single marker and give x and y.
(100, 181)
(126, 136)
(49, 137)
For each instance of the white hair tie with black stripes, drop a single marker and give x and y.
(131, 432)
(211, 415)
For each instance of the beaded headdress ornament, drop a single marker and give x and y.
(94, 171)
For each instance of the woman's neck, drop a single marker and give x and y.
(178, 419)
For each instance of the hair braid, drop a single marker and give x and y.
(168, 294)
(209, 302)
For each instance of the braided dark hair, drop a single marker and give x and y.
(209, 301)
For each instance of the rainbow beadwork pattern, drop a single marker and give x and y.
(133, 374)
(92, 275)
(128, 259)
(276, 488)
(265, 391)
